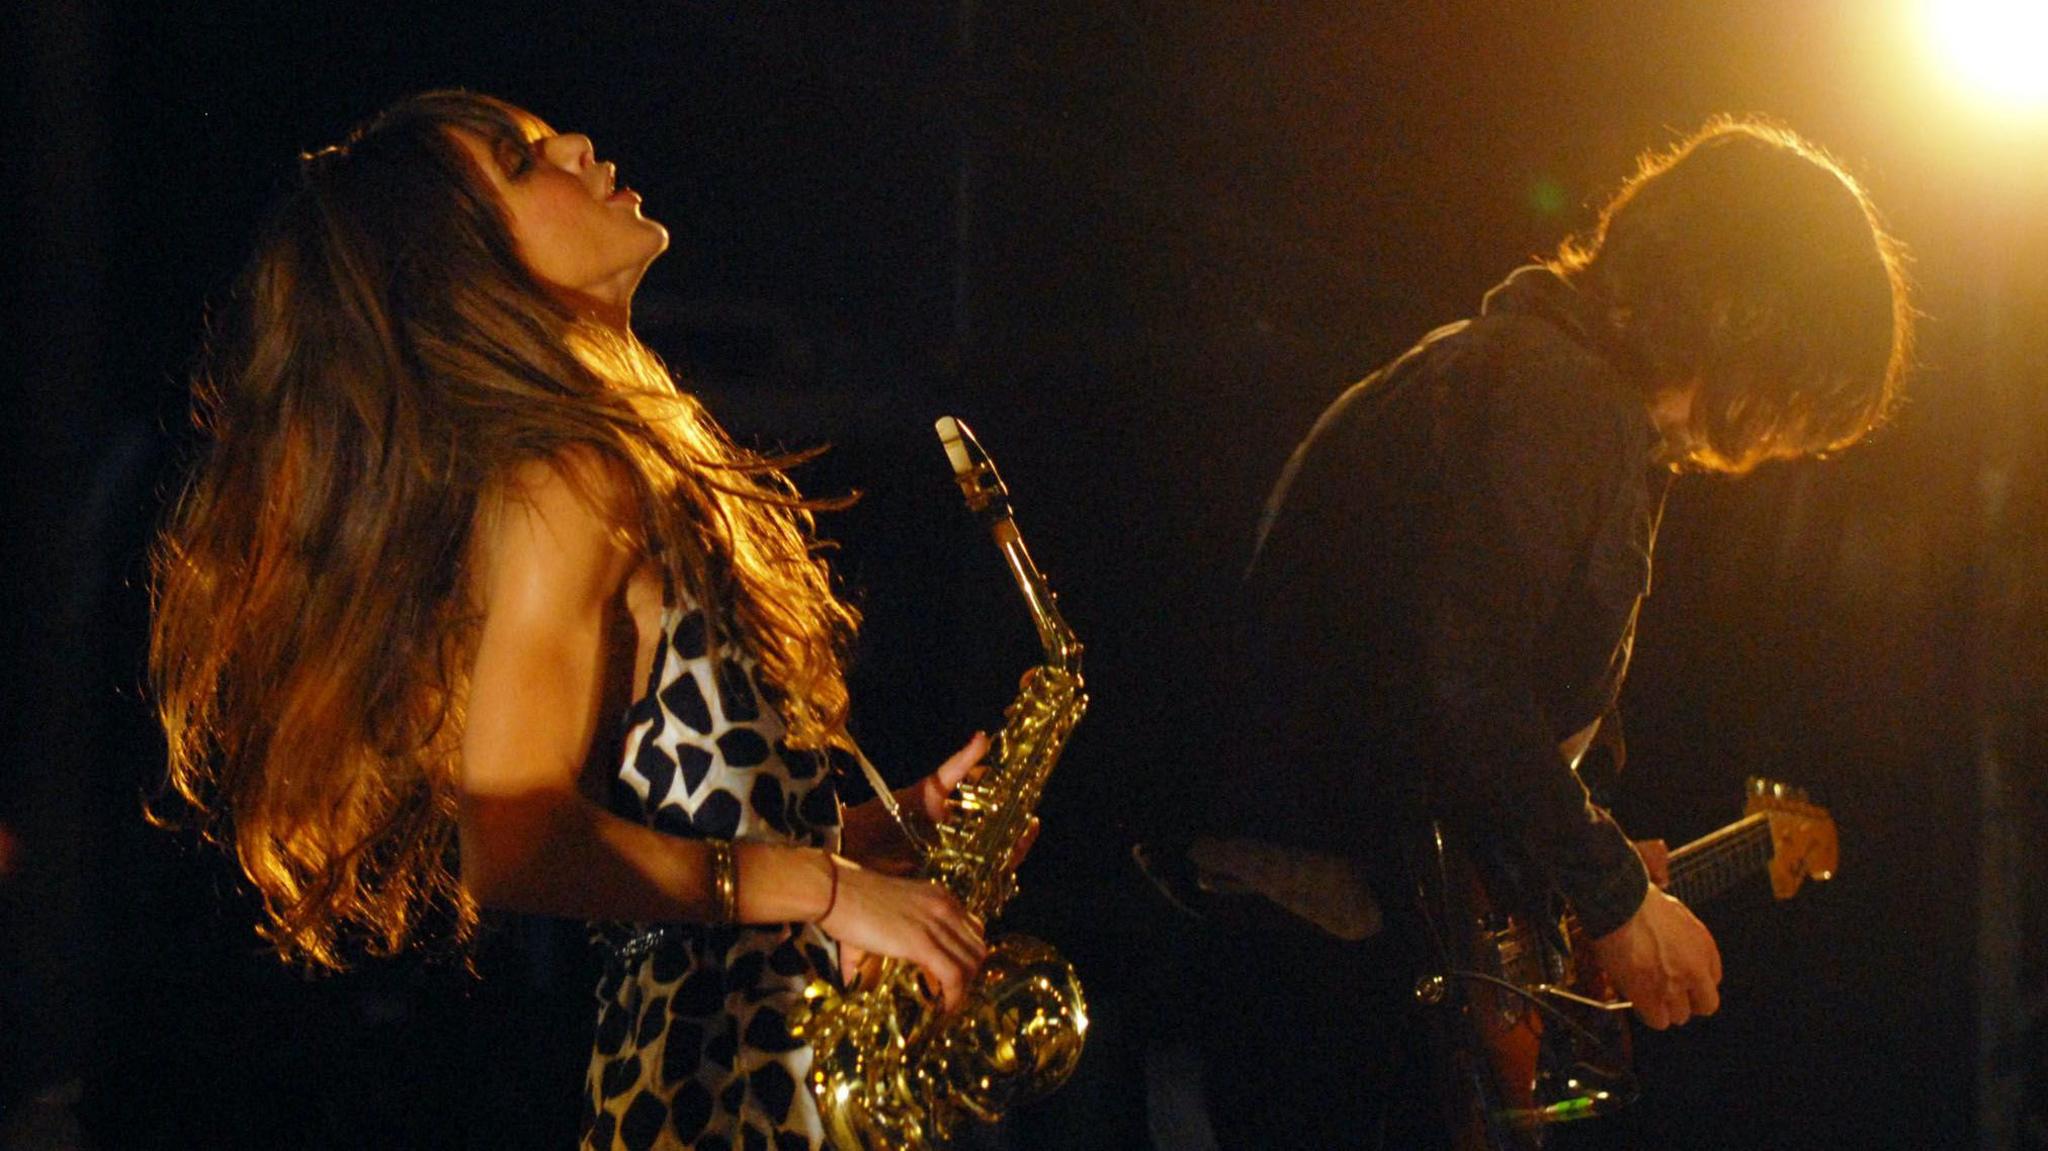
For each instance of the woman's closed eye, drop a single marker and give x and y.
(515, 159)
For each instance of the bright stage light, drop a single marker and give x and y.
(1997, 48)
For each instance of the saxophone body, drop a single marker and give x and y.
(889, 1069)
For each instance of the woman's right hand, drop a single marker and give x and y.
(910, 919)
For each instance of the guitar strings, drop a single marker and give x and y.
(1716, 855)
(1740, 841)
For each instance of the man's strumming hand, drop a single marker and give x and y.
(1664, 961)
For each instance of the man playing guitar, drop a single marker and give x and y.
(1443, 597)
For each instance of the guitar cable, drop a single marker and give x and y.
(1535, 1000)
(1626, 1079)
(1604, 1046)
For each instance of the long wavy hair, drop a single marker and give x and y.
(389, 361)
(1745, 258)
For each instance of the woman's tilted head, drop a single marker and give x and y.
(442, 298)
(576, 227)
(1746, 264)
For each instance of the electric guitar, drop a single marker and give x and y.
(1532, 1033)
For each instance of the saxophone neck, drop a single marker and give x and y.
(1062, 650)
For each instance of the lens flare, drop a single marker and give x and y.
(1996, 48)
(1548, 197)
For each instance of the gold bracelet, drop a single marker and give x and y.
(725, 881)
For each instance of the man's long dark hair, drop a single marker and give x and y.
(1746, 259)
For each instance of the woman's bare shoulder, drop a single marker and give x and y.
(551, 529)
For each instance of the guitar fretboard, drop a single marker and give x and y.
(1714, 863)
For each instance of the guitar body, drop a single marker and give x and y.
(1520, 1056)
(1531, 1033)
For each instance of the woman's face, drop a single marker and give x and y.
(577, 228)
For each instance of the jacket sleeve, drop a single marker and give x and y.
(1533, 460)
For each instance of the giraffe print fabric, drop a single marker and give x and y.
(693, 1047)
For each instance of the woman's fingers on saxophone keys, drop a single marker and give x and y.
(943, 977)
(962, 766)
(964, 931)
(957, 964)
(1024, 843)
(958, 948)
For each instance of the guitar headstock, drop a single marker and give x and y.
(1803, 842)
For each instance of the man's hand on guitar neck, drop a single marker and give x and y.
(1664, 961)
(1656, 857)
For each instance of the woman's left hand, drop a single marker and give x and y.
(871, 838)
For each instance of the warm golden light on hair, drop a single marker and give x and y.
(1994, 48)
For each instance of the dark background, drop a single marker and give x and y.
(1137, 247)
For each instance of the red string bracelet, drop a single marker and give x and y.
(832, 901)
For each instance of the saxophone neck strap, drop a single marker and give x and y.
(890, 804)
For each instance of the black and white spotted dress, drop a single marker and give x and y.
(693, 1046)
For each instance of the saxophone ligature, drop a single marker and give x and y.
(890, 1069)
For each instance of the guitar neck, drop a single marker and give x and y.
(1714, 863)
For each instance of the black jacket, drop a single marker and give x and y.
(1445, 587)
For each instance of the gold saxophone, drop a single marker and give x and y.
(890, 1070)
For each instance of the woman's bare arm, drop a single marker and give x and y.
(548, 569)
(548, 565)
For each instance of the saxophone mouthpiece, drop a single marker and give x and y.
(956, 448)
(973, 471)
